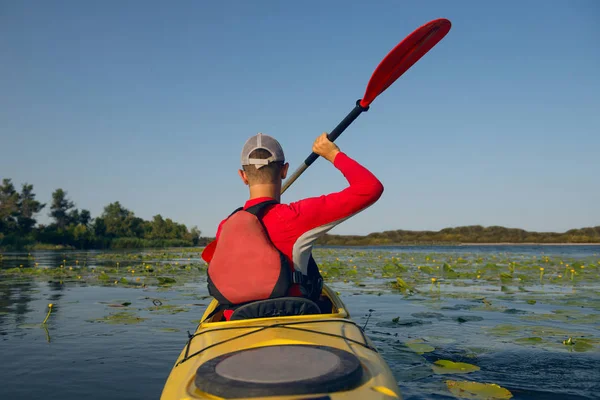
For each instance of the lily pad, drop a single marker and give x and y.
(468, 318)
(29, 326)
(427, 315)
(168, 330)
(419, 347)
(123, 317)
(404, 287)
(117, 305)
(451, 367)
(478, 391)
(163, 280)
(396, 322)
(459, 307)
(515, 311)
(168, 309)
(529, 340)
(580, 345)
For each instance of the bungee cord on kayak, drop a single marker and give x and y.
(259, 328)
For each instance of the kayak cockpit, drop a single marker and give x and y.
(278, 307)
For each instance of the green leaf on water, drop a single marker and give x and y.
(124, 318)
(505, 277)
(168, 330)
(448, 272)
(168, 309)
(403, 286)
(29, 326)
(163, 280)
(425, 269)
(478, 391)
(447, 268)
(580, 345)
(451, 367)
(531, 301)
(529, 340)
(419, 347)
(467, 318)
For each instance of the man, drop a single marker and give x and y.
(292, 228)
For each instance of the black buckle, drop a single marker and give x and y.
(298, 278)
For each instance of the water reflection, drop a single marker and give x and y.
(14, 300)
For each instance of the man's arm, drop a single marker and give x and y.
(364, 189)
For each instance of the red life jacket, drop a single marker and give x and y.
(246, 266)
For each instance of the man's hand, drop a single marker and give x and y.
(325, 148)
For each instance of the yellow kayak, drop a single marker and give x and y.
(313, 355)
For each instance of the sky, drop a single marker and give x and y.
(149, 103)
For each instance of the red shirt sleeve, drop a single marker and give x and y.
(364, 189)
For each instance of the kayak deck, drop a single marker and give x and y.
(280, 357)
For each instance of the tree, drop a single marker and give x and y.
(82, 235)
(60, 208)
(9, 206)
(120, 222)
(157, 228)
(99, 227)
(84, 217)
(73, 217)
(195, 235)
(28, 207)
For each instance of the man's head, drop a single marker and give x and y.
(263, 161)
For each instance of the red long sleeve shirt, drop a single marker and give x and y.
(294, 227)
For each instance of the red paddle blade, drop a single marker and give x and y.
(403, 56)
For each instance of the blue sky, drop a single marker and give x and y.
(150, 102)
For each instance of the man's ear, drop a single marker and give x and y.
(243, 175)
(284, 170)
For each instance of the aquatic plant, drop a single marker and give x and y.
(477, 390)
(451, 367)
(49, 312)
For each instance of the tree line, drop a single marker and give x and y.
(465, 234)
(116, 227)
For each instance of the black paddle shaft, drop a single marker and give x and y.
(339, 129)
(356, 111)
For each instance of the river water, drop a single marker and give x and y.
(82, 353)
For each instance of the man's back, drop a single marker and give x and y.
(293, 228)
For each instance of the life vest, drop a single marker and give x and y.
(246, 266)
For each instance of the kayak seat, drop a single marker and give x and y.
(280, 370)
(279, 307)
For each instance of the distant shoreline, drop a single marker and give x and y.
(459, 244)
(473, 235)
(529, 244)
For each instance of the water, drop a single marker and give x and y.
(80, 355)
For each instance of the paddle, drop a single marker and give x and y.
(396, 63)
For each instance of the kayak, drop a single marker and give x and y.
(297, 352)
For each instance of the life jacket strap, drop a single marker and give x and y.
(259, 209)
(299, 278)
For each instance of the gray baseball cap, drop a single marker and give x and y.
(266, 142)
